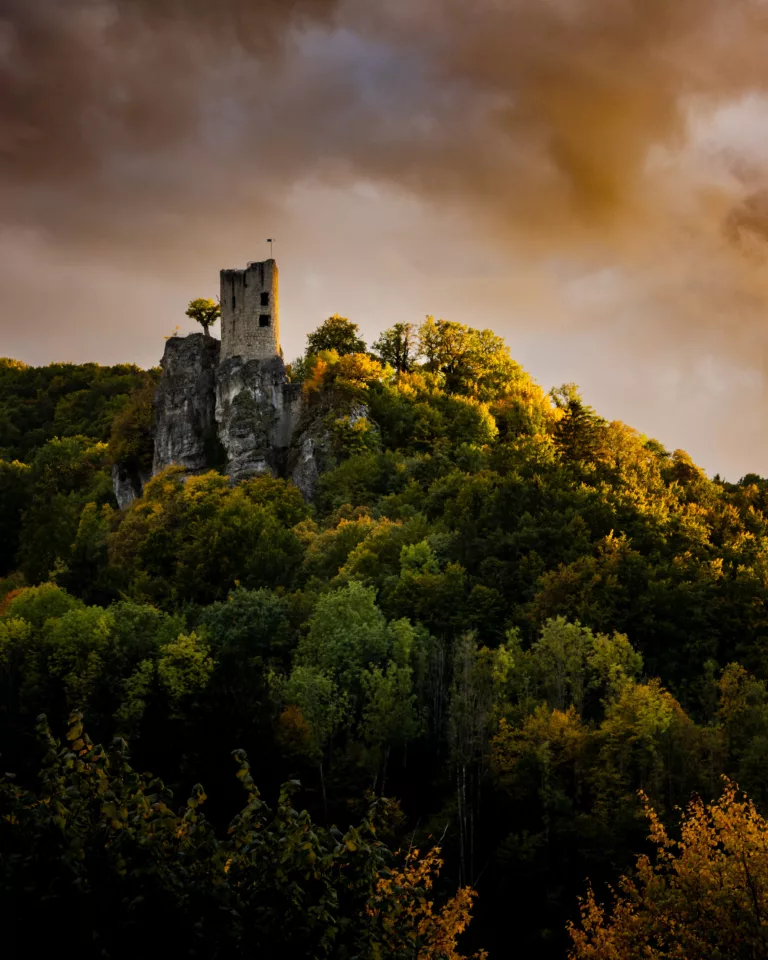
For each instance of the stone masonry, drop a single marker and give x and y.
(250, 312)
(228, 404)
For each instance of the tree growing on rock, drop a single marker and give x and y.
(205, 311)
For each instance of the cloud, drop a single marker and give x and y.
(574, 140)
(541, 112)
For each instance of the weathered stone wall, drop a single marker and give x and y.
(185, 404)
(250, 312)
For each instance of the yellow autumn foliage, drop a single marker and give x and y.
(702, 897)
(432, 934)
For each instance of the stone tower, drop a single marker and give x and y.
(250, 312)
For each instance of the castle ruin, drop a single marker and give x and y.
(228, 404)
(250, 312)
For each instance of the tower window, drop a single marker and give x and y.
(265, 299)
(265, 320)
(233, 301)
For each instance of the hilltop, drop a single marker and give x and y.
(493, 605)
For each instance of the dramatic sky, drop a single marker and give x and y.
(589, 178)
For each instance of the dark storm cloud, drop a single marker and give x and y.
(541, 111)
(162, 135)
(84, 77)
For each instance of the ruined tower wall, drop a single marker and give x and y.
(250, 312)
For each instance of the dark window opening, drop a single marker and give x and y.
(233, 301)
(265, 320)
(265, 299)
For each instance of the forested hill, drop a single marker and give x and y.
(502, 611)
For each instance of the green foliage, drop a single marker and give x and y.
(336, 333)
(353, 435)
(65, 476)
(250, 626)
(61, 655)
(347, 633)
(501, 608)
(184, 667)
(61, 400)
(131, 442)
(193, 541)
(398, 347)
(86, 572)
(568, 664)
(114, 853)
(578, 431)
(323, 707)
(36, 605)
(205, 312)
(472, 362)
(15, 491)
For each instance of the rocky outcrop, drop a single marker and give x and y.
(309, 455)
(128, 484)
(185, 404)
(256, 411)
(305, 471)
(311, 452)
(240, 416)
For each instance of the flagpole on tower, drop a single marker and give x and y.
(270, 241)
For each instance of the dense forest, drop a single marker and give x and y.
(511, 663)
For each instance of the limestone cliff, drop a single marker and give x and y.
(256, 411)
(240, 416)
(128, 484)
(310, 452)
(185, 404)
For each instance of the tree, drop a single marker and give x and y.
(472, 362)
(61, 400)
(98, 841)
(569, 662)
(246, 630)
(347, 633)
(192, 540)
(478, 678)
(703, 896)
(389, 715)
(336, 333)
(205, 311)
(398, 346)
(66, 475)
(131, 440)
(579, 431)
(15, 489)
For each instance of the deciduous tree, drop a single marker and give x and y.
(702, 896)
(336, 333)
(205, 311)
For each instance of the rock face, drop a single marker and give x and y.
(239, 415)
(306, 472)
(185, 404)
(127, 484)
(309, 455)
(256, 411)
